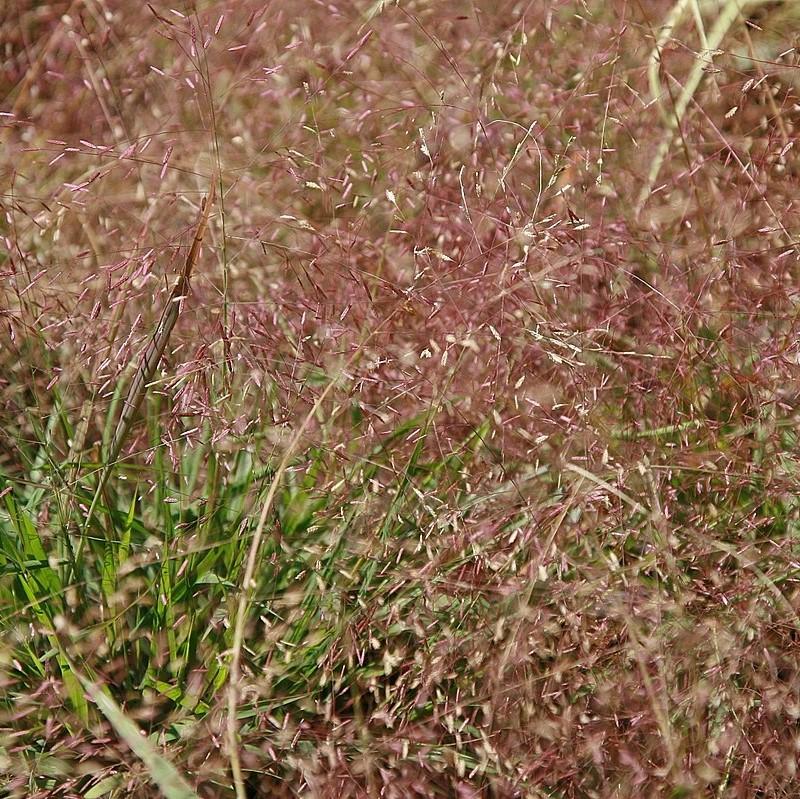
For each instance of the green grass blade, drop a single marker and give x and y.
(161, 771)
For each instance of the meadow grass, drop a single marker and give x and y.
(399, 399)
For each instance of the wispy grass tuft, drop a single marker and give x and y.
(455, 470)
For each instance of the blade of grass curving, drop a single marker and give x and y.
(161, 771)
(245, 593)
(727, 16)
(664, 33)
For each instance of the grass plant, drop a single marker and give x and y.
(399, 399)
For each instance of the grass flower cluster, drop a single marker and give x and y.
(399, 399)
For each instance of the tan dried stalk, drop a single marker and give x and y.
(246, 597)
(239, 621)
(727, 15)
(155, 348)
(158, 341)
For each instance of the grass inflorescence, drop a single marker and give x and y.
(399, 399)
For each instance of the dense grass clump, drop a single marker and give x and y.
(399, 399)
